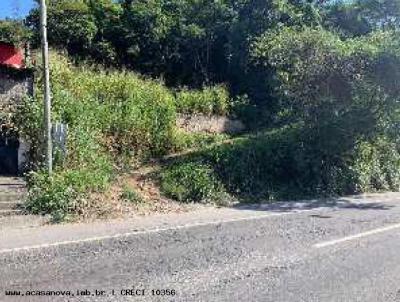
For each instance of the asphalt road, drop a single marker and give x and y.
(340, 251)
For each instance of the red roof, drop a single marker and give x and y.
(11, 56)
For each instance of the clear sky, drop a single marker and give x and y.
(15, 8)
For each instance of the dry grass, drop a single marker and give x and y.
(144, 182)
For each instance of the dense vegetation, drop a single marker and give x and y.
(195, 42)
(14, 32)
(116, 120)
(316, 81)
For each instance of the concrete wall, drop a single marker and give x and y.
(210, 124)
(14, 86)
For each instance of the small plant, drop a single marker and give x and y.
(186, 140)
(209, 100)
(191, 182)
(52, 195)
(129, 194)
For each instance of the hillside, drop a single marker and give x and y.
(117, 120)
(315, 84)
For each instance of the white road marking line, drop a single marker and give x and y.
(149, 231)
(357, 236)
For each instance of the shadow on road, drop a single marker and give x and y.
(356, 203)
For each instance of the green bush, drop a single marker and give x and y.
(377, 166)
(62, 193)
(276, 165)
(190, 182)
(135, 116)
(129, 194)
(86, 168)
(186, 140)
(209, 100)
(50, 195)
(293, 163)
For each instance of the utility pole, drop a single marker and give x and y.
(47, 96)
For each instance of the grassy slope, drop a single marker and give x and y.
(116, 120)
